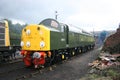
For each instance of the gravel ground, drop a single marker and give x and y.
(72, 69)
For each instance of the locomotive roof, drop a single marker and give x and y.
(75, 29)
(54, 25)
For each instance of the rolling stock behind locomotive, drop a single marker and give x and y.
(51, 41)
(9, 41)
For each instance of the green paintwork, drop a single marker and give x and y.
(77, 39)
(61, 37)
(55, 40)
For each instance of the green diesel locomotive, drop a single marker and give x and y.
(51, 41)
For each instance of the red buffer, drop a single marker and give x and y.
(37, 58)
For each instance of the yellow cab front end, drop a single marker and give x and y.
(35, 38)
(35, 41)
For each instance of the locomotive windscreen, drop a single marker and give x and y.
(50, 23)
(2, 33)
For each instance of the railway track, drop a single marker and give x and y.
(17, 68)
(52, 67)
(46, 69)
(10, 66)
(11, 61)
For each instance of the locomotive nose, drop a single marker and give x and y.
(35, 37)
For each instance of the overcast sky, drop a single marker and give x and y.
(87, 14)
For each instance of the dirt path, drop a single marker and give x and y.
(72, 69)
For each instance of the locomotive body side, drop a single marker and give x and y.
(57, 40)
(76, 38)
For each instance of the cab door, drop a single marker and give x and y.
(66, 32)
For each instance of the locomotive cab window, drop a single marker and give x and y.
(51, 23)
(2, 25)
(62, 28)
(2, 29)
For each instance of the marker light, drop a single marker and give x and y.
(22, 44)
(28, 32)
(42, 44)
(28, 44)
